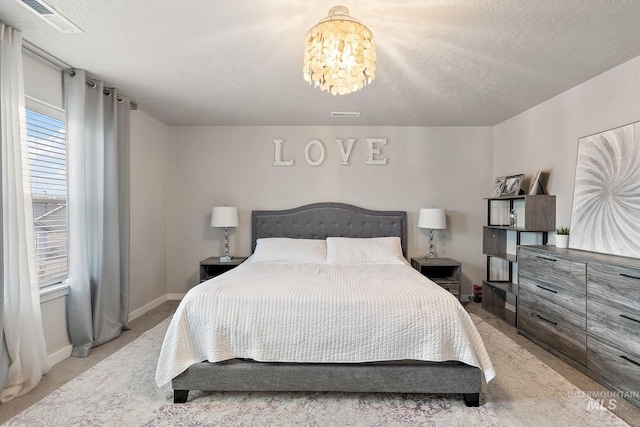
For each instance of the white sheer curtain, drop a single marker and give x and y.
(98, 211)
(23, 360)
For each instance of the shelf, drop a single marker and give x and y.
(507, 198)
(445, 272)
(444, 280)
(497, 296)
(509, 228)
(520, 197)
(503, 313)
(536, 217)
(508, 287)
(535, 213)
(212, 267)
(504, 256)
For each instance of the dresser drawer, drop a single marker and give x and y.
(620, 286)
(557, 303)
(615, 325)
(619, 367)
(555, 271)
(553, 333)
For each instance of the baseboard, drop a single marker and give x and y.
(65, 352)
(59, 355)
(150, 306)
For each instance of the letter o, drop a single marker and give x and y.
(307, 150)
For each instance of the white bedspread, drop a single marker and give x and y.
(319, 313)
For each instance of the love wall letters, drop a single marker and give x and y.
(314, 152)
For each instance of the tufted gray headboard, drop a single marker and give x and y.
(322, 220)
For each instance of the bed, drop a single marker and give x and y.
(352, 326)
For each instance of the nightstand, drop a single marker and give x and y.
(212, 267)
(446, 272)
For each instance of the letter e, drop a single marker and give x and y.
(374, 151)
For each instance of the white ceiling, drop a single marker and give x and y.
(239, 62)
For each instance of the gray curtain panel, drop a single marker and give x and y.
(98, 211)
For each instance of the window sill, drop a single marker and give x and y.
(54, 291)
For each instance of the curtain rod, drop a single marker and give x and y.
(59, 64)
(42, 55)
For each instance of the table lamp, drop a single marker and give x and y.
(433, 219)
(224, 216)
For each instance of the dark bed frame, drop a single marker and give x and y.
(319, 221)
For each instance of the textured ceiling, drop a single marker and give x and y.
(239, 62)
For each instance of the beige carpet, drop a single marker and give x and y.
(121, 391)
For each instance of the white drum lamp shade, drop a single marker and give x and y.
(224, 216)
(432, 218)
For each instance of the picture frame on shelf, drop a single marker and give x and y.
(498, 183)
(512, 185)
(538, 183)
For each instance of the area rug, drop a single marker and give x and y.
(120, 391)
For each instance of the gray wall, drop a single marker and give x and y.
(546, 136)
(447, 167)
(149, 165)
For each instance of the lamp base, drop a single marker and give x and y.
(432, 248)
(225, 258)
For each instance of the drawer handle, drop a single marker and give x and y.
(545, 258)
(547, 289)
(629, 360)
(630, 276)
(549, 321)
(624, 316)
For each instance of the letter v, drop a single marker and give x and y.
(345, 153)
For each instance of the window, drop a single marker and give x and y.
(46, 139)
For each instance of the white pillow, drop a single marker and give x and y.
(282, 249)
(374, 250)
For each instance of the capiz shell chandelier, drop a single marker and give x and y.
(339, 54)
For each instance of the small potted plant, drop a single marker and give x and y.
(562, 237)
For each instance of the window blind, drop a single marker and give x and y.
(46, 138)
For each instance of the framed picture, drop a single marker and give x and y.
(604, 215)
(512, 185)
(539, 183)
(497, 186)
